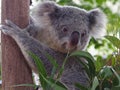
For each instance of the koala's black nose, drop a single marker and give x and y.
(74, 39)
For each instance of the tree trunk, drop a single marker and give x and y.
(14, 67)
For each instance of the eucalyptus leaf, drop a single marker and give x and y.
(114, 40)
(86, 67)
(41, 69)
(54, 63)
(89, 59)
(56, 85)
(95, 83)
(39, 64)
(106, 72)
(118, 77)
(52, 60)
(81, 86)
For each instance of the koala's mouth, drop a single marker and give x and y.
(68, 47)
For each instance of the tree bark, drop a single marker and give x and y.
(15, 70)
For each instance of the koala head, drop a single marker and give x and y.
(68, 28)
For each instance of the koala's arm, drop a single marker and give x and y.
(26, 43)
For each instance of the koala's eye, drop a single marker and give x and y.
(65, 30)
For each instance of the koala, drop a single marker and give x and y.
(58, 30)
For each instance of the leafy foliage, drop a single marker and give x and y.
(114, 40)
(102, 79)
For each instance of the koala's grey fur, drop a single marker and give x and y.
(58, 30)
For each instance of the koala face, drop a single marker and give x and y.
(71, 26)
(67, 28)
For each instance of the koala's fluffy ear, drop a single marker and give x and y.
(44, 8)
(97, 23)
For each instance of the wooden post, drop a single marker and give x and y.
(14, 67)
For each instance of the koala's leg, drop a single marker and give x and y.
(26, 44)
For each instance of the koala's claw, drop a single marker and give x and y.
(4, 29)
(10, 28)
(11, 24)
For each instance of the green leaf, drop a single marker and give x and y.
(99, 63)
(114, 40)
(114, 59)
(39, 64)
(100, 2)
(89, 58)
(86, 67)
(80, 86)
(63, 2)
(62, 68)
(60, 72)
(56, 85)
(41, 69)
(52, 60)
(106, 72)
(95, 83)
(54, 63)
(118, 77)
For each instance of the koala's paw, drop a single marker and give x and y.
(10, 28)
